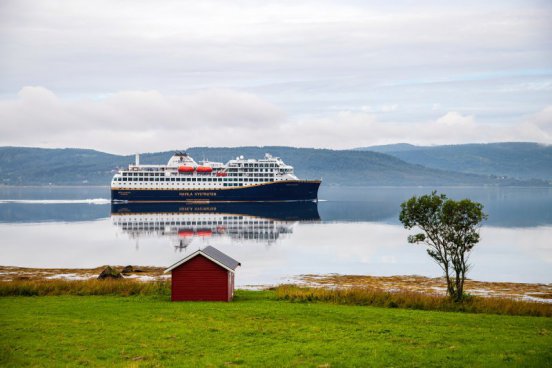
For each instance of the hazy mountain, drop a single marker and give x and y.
(396, 147)
(36, 166)
(516, 160)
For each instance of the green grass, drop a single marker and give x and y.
(258, 330)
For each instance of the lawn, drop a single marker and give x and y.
(257, 330)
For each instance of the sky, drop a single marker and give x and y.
(138, 76)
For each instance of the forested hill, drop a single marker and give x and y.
(516, 160)
(43, 166)
(38, 166)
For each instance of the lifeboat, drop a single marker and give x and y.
(185, 233)
(204, 169)
(185, 169)
(222, 173)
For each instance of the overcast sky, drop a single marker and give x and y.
(127, 76)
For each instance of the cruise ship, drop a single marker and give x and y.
(239, 180)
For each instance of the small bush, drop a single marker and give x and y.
(411, 300)
(83, 287)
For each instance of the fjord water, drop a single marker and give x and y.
(352, 230)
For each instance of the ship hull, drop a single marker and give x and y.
(296, 190)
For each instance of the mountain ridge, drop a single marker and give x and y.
(520, 160)
(73, 166)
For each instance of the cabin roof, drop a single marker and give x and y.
(212, 254)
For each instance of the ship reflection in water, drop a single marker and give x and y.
(182, 223)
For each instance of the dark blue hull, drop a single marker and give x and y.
(297, 190)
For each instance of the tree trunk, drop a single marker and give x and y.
(458, 283)
(450, 286)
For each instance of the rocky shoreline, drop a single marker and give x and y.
(141, 273)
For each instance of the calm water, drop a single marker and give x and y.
(350, 231)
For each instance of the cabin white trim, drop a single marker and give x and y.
(195, 254)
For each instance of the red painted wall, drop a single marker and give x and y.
(201, 279)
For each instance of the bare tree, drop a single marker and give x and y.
(450, 230)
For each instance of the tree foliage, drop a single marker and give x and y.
(450, 230)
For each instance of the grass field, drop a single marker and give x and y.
(257, 330)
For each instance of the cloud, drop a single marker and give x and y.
(539, 125)
(305, 55)
(130, 121)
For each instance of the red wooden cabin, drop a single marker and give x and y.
(207, 274)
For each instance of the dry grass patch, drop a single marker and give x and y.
(83, 287)
(426, 285)
(411, 300)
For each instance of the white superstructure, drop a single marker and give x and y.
(182, 172)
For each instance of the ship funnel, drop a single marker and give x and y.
(137, 159)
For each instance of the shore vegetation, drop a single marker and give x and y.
(362, 296)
